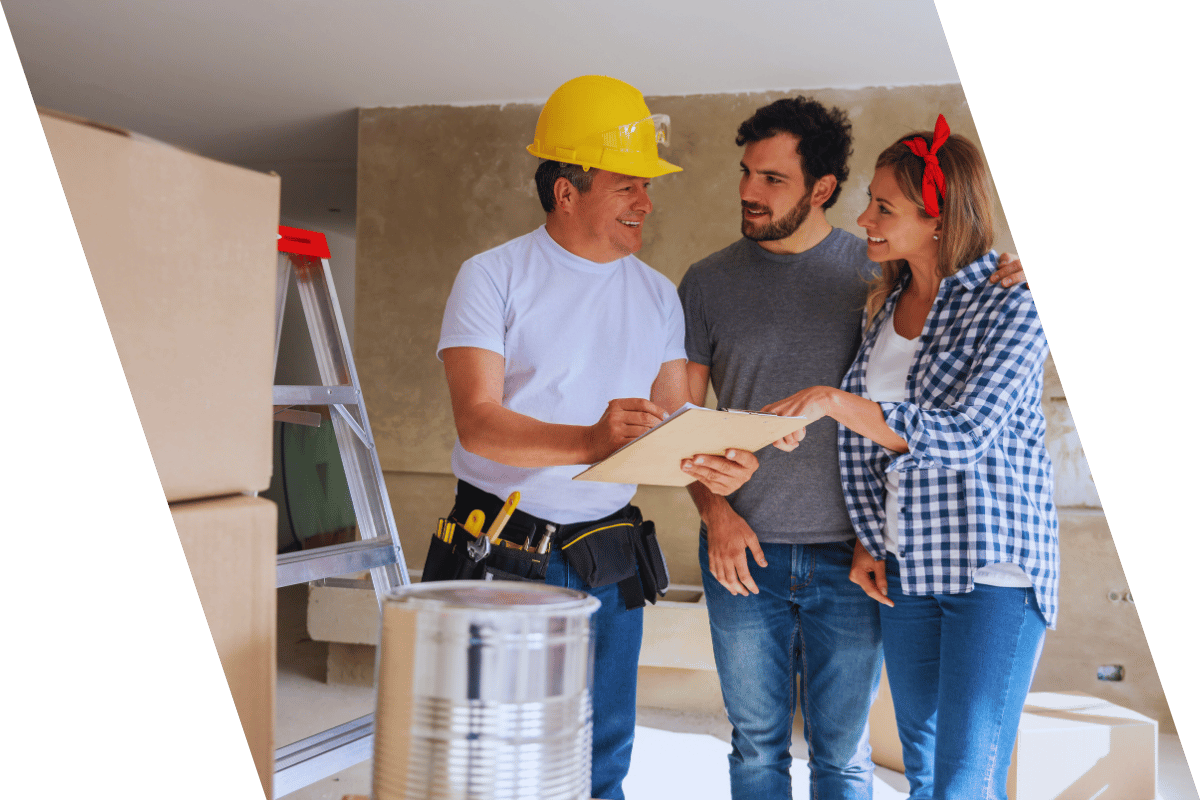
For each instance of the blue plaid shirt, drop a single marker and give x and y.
(976, 485)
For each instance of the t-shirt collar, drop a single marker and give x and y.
(561, 255)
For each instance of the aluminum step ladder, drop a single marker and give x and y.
(304, 256)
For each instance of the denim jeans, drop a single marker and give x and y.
(618, 634)
(959, 667)
(807, 619)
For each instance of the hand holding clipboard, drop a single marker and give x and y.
(655, 457)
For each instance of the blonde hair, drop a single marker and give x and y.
(967, 215)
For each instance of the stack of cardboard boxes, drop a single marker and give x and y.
(1070, 746)
(182, 250)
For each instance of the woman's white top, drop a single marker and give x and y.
(886, 379)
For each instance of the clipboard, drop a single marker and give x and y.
(654, 457)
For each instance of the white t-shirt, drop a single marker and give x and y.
(574, 334)
(886, 379)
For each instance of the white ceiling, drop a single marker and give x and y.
(275, 83)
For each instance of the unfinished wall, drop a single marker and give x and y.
(438, 184)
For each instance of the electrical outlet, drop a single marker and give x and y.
(1110, 672)
(1116, 596)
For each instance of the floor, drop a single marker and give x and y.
(675, 755)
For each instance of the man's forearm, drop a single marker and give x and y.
(506, 437)
(711, 506)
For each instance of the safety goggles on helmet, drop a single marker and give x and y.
(596, 121)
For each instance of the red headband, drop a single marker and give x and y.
(934, 182)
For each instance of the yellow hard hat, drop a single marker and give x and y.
(596, 121)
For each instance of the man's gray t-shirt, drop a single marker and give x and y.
(767, 326)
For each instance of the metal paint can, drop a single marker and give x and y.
(484, 692)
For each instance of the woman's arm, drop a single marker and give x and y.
(994, 377)
(968, 397)
(859, 414)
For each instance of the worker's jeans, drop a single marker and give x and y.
(807, 619)
(959, 667)
(618, 633)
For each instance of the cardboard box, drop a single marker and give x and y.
(675, 634)
(343, 614)
(1070, 746)
(182, 251)
(230, 548)
(675, 631)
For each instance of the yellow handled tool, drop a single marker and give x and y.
(501, 519)
(474, 523)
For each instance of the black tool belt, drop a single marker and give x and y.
(621, 548)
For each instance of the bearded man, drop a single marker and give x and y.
(777, 311)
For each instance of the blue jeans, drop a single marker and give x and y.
(959, 667)
(808, 619)
(618, 634)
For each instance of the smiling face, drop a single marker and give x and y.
(605, 222)
(775, 197)
(896, 228)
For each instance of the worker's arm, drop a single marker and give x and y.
(486, 428)
(728, 534)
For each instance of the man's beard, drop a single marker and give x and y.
(781, 228)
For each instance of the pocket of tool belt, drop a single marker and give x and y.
(652, 567)
(514, 563)
(603, 553)
(448, 561)
(613, 552)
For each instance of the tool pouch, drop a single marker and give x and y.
(624, 552)
(514, 564)
(652, 567)
(603, 553)
(507, 560)
(449, 561)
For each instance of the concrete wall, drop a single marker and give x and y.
(438, 184)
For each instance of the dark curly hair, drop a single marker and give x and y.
(824, 135)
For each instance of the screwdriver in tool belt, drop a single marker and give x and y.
(544, 545)
(501, 519)
(474, 523)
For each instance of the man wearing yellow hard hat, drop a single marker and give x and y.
(559, 347)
